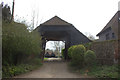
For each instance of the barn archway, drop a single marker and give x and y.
(57, 29)
(54, 49)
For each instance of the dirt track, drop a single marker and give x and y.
(52, 69)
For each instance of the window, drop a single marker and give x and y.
(107, 36)
(119, 18)
(113, 35)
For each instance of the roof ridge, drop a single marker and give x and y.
(108, 23)
(56, 21)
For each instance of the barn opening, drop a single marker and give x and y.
(53, 49)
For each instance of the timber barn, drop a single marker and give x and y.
(57, 29)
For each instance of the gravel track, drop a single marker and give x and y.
(52, 69)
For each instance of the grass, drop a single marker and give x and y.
(45, 58)
(103, 71)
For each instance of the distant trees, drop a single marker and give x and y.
(90, 36)
(34, 16)
(6, 13)
(58, 46)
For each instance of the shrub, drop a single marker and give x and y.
(70, 50)
(36, 61)
(87, 45)
(18, 43)
(89, 58)
(78, 56)
(62, 52)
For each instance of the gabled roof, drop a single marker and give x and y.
(56, 21)
(113, 23)
(64, 31)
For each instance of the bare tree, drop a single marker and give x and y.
(35, 16)
(58, 45)
(33, 20)
(90, 36)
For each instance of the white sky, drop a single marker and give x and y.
(86, 15)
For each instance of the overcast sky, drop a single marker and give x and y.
(86, 15)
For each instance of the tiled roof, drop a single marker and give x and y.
(56, 21)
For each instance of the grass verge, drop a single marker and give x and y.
(103, 71)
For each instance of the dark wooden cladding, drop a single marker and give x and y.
(61, 30)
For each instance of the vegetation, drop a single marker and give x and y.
(45, 58)
(103, 71)
(90, 66)
(89, 58)
(20, 48)
(6, 13)
(10, 71)
(77, 56)
(58, 46)
(70, 50)
(62, 52)
(88, 45)
(18, 43)
(90, 36)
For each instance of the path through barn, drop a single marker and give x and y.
(52, 69)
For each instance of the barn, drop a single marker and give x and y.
(56, 29)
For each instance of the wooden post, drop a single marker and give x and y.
(12, 18)
(43, 48)
(65, 53)
(67, 45)
(66, 49)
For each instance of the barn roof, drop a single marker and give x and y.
(57, 29)
(56, 21)
(113, 23)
